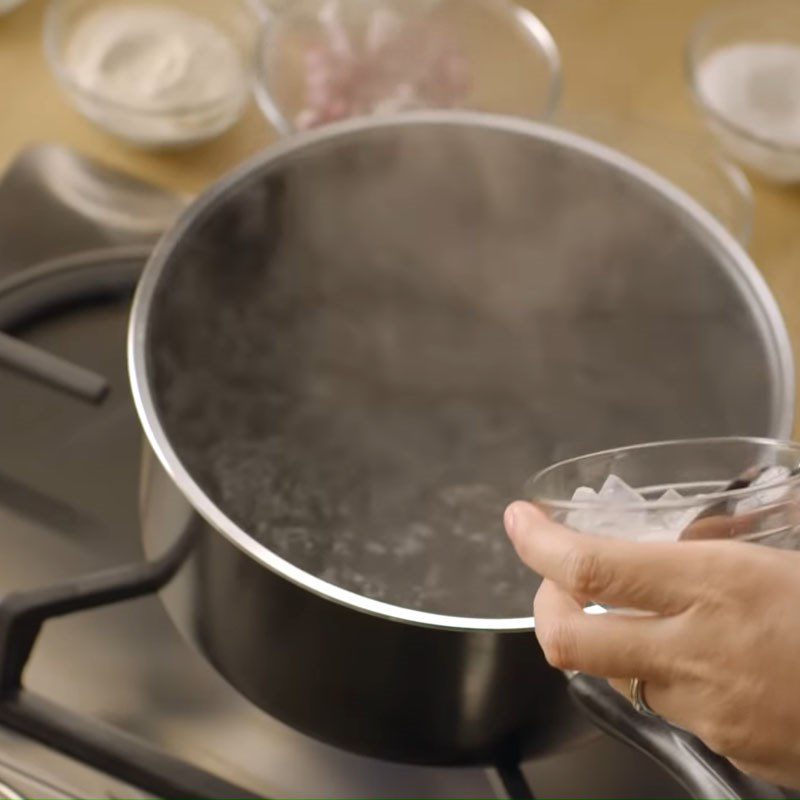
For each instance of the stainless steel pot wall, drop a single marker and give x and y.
(595, 306)
(376, 686)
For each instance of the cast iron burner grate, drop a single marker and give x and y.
(22, 615)
(27, 295)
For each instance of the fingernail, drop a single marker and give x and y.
(511, 519)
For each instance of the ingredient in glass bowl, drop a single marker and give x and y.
(167, 65)
(620, 511)
(399, 64)
(756, 87)
(603, 514)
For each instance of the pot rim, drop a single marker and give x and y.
(743, 271)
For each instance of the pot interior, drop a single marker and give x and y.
(361, 348)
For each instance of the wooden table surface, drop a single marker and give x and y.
(624, 57)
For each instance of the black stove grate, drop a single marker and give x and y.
(29, 294)
(22, 616)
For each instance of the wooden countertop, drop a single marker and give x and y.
(624, 57)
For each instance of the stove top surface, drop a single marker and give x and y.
(68, 507)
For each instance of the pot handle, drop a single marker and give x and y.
(703, 773)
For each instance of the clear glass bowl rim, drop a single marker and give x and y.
(666, 505)
(692, 61)
(52, 30)
(537, 32)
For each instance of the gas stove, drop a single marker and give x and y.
(115, 703)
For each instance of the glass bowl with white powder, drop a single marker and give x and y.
(740, 488)
(158, 74)
(743, 64)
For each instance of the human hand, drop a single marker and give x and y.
(718, 653)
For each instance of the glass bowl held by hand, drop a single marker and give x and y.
(726, 488)
(320, 61)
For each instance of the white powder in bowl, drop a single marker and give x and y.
(755, 88)
(171, 66)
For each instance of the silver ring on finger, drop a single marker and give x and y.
(636, 696)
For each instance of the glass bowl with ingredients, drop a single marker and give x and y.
(158, 74)
(743, 65)
(319, 61)
(726, 488)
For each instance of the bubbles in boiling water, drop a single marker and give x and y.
(435, 549)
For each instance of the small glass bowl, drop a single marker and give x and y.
(156, 126)
(738, 23)
(495, 56)
(699, 470)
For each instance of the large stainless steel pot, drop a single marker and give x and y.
(574, 298)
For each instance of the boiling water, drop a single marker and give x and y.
(410, 534)
(362, 355)
(369, 432)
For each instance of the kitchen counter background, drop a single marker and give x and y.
(621, 57)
